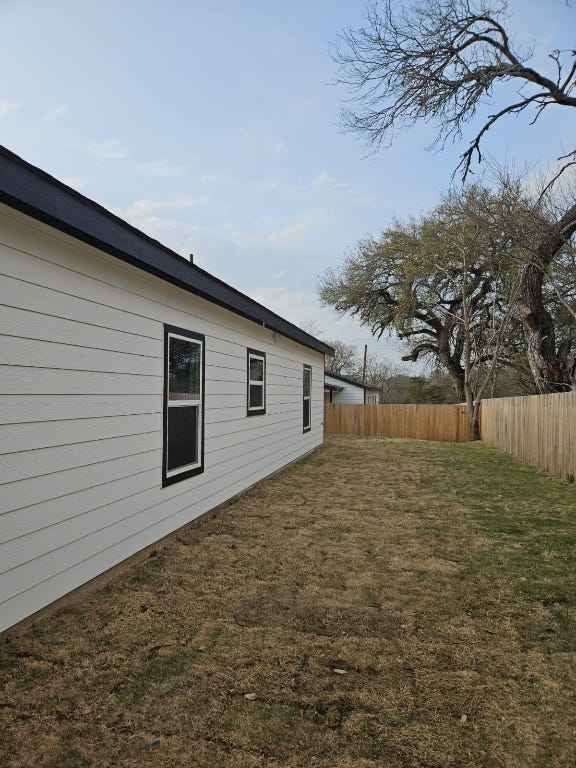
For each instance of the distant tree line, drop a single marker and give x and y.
(397, 385)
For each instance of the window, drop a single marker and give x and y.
(183, 447)
(256, 383)
(307, 390)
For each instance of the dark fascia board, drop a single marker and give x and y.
(32, 191)
(349, 381)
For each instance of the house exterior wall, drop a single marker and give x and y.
(81, 412)
(348, 395)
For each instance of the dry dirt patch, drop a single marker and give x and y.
(355, 595)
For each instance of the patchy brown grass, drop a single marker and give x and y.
(449, 609)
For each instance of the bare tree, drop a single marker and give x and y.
(345, 359)
(311, 327)
(438, 61)
(380, 372)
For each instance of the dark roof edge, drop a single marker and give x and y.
(349, 380)
(34, 192)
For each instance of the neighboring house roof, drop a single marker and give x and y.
(332, 387)
(348, 380)
(37, 194)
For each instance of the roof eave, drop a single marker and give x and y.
(39, 195)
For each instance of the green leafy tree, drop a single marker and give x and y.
(443, 283)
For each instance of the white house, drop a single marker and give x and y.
(137, 391)
(344, 390)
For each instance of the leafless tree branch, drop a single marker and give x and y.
(437, 61)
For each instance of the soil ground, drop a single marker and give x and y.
(382, 603)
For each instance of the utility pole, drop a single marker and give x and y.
(364, 369)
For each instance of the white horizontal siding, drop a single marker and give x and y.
(23, 493)
(19, 351)
(348, 395)
(81, 380)
(49, 461)
(22, 409)
(235, 430)
(36, 517)
(21, 294)
(43, 434)
(30, 324)
(18, 380)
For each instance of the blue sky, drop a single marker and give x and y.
(213, 127)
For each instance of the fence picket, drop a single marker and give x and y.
(540, 430)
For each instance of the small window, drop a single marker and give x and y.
(256, 383)
(306, 403)
(183, 448)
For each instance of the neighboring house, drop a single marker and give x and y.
(341, 389)
(137, 391)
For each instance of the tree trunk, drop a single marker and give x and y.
(468, 389)
(548, 364)
(475, 421)
(549, 370)
(456, 373)
(452, 364)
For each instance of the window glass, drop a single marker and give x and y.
(182, 437)
(256, 383)
(306, 399)
(256, 369)
(184, 367)
(256, 396)
(307, 381)
(183, 405)
(306, 413)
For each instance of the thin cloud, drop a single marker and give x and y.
(7, 108)
(54, 114)
(162, 169)
(300, 307)
(322, 178)
(279, 148)
(293, 234)
(142, 209)
(212, 177)
(322, 190)
(278, 239)
(106, 150)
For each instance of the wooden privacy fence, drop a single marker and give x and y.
(446, 423)
(538, 429)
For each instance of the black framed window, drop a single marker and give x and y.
(256, 365)
(307, 399)
(183, 444)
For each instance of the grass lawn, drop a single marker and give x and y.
(384, 604)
